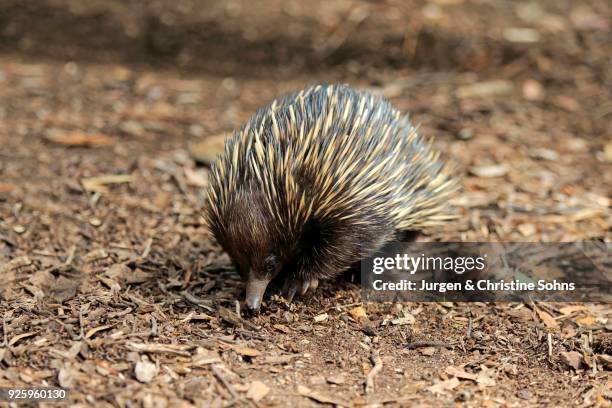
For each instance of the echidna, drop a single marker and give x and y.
(316, 181)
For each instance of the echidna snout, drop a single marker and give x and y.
(318, 180)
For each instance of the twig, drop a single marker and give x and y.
(419, 344)
(4, 331)
(550, 345)
(468, 335)
(194, 300)
(238, 308)
(153, 326)
(224, 381)
(232, 318)
(147, 249)
(70, 257)
(378, 365)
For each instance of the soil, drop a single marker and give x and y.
(113, 287)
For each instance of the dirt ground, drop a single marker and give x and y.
(113, 288)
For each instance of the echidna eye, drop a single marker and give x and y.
(270, 264)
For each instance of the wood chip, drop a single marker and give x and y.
(246, 351)
(485, 89)
(401, 321)
(79, 139)
(358, 313)
(319, 397)
(92, 332)
(282, 328)
(98, 183)
(444, 386)
(485, 378)
(257, 391)
(180, 350)
(207, 150)
(427, 351)
(572, 359)
(336, 379)
(460, 373)
(16, 339)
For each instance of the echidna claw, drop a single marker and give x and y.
(299, 287)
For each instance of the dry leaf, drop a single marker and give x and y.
(257, 391)
(568, 332)
(548, 320)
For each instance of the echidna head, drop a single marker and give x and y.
(245, 230)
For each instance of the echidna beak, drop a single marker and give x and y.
(254, 293)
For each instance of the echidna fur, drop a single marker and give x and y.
(316, 181)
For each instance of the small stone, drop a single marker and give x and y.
(465, 134)
(521, 35)
(490, 171)
(321, 318)
(607, 152)
(524, 394)
(533, 90)
(145, 371)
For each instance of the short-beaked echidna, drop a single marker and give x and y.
(316, 181)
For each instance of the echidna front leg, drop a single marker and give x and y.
(297, 286)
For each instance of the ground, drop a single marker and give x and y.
(114, 289)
